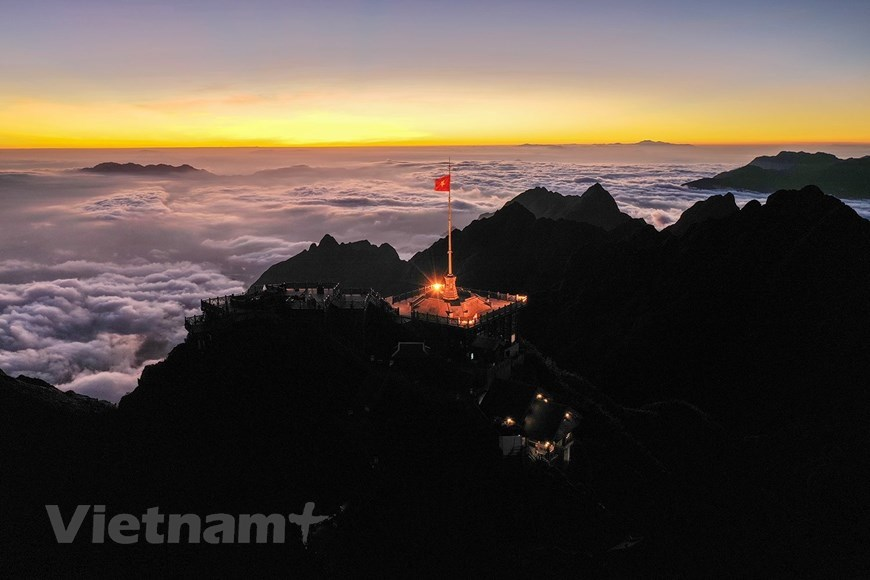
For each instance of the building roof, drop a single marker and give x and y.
(549, 421)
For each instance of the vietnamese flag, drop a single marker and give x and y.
(442, 183)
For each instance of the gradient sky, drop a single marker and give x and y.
(131, 73)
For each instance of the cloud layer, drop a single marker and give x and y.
(94, 333)
(97, 272)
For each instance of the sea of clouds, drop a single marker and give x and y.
(98, 271)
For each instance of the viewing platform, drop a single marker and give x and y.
(470, 309)
(273, 300)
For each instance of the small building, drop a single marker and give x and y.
(548, 429)
(506, 404)
(529, 419)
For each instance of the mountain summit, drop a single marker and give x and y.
(595, 206)
(354, 264)
(714, 207)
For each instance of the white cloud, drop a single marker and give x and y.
(97, 272)
(82, 333)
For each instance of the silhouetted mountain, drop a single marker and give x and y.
(712, 208)
(596, 206)
(37, 393)
(53, 447)
(771, 278)
(730, 279)
(362, 264)
(355, 264)
(849, 178)
(760, 318)
(644, 143)
(160, 169)
(728, 432)
(268, 416)
(292, 171)
(650, 142)
(513, 250)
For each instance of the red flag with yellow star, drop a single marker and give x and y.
(442, 183)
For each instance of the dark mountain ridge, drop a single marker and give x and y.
(848, 178)
(701, 300)
(728, 433)
(719, 283)
(714, 207)
(595, 206)
(354, 264)
(157, 170)
(364, 264)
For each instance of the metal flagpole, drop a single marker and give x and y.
(449, 223)
(450, 290)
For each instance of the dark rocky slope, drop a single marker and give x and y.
(759, 317)
(729, 430)
(265, 418)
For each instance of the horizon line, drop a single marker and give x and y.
(645, 142)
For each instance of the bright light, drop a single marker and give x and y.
(437, 287)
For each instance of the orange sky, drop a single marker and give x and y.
(101, 74)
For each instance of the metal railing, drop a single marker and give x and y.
(483, 293)
(222, 310)
(408, 294)
(468, 323)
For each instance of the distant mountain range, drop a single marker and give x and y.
(644, 143)
(160, 169)
(848, 178)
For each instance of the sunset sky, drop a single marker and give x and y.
(125, 73)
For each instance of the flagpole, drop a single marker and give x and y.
(450, 291)
(449, 223)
